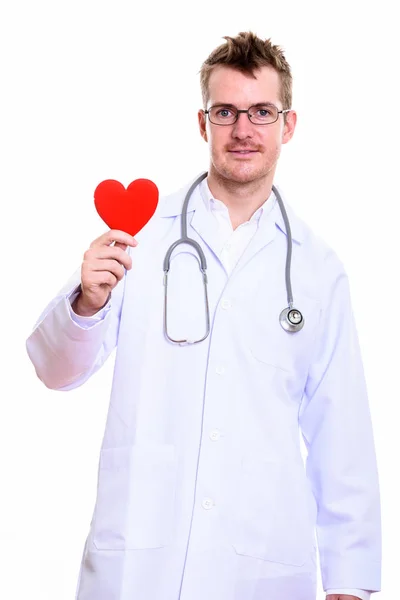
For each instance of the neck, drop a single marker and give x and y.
(242, 199)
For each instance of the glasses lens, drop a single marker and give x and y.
(222, 115)
(263, 114)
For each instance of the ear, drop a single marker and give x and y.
(202, 124)
(289, 127)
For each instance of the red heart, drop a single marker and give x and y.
(126, 209)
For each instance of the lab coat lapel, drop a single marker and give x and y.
(264, 235)
(199, 219)
(206, 226)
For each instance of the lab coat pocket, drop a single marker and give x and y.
(289, 352)
(135, 497)
(272, 520)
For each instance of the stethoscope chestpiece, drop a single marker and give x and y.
(291, 320)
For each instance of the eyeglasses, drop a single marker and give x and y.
(259, 114)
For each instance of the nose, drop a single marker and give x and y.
(243, 128)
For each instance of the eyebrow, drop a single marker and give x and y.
(228, 105)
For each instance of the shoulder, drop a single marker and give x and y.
(314, 246)
(171, 205)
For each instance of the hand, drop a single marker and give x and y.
(341, 597)
(102, 268)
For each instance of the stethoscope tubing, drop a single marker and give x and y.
(291, 319)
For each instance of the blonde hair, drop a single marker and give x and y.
(246, 52)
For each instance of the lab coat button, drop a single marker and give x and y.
(220, 370)
(226, 304)
(215, 435)
(207, 503)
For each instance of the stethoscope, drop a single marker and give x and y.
(290, 318)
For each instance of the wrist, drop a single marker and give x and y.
(81, 308)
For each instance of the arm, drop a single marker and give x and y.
(65, 348)
(341, 464)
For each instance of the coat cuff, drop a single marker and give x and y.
(86, 322)
(362, 594)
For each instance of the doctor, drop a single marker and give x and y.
(202, 493)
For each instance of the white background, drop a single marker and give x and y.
(98, 90)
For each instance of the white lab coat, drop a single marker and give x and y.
(202, 492)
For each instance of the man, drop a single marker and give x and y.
(202, 494)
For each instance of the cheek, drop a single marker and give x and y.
(217, 140)
(273, 142)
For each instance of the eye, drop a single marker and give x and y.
(264, 112)
(224, 112)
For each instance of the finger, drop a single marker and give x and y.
(114, 235)
(124, 246)
(111, 266)
(100, 278)
(107, 252)
(119, 245)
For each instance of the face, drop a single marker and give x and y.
(245, 152)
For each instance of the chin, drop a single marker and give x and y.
(244, 174)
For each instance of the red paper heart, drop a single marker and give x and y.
(126, 209)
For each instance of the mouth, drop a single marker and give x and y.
(243, 152)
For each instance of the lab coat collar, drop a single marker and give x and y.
(171, 206)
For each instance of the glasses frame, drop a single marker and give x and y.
(241, 110)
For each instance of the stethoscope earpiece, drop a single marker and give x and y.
(291, 320)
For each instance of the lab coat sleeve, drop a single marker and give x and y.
(341, 463)
(86, 322)
(66, 349)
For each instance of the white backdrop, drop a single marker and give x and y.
(97, 90)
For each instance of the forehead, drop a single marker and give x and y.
(233, 87)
